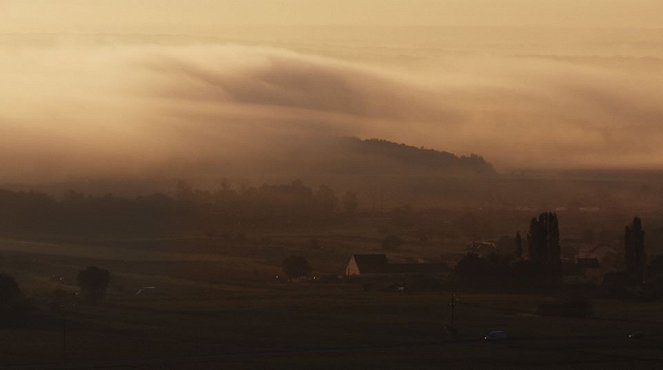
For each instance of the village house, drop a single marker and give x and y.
(482, 248)
(367, 265)
(591, 268)
(375, 265)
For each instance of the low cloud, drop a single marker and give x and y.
(71, 111)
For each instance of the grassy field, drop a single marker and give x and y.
(220, 307)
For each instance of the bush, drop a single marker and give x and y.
(93, 282)
(9, 289)
(296, 267)
(14, 309)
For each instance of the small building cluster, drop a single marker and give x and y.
(377, 265)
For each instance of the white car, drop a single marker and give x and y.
(636, 335)
(495, 335)
(147, 291)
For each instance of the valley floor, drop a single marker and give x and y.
(205, 314)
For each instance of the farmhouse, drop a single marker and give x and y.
(591, 268)
(367, 265)
(588, 263)
(482, 248)
(373, 265)
(599, 252)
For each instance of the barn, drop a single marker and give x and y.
(372, 265)
(367, 265)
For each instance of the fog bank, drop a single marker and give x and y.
(71, 111)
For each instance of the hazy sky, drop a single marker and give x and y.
(196, 15)
(87, 82)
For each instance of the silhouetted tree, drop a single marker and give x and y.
(13, 307)
(9, 289)
(214, 213)
(296, 266)
(326, 199)
(519, 246)
(634, 251)
(93, 282)
(471, 269)
(492, 271)
(543, 240)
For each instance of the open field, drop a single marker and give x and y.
(331, 184)
(217, 309)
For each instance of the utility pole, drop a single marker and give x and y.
(453, 308)
(64, 336)
(451, 328)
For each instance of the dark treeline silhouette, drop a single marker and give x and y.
(507, 269)
(504, 268)
(188, 209)
(634, 251)
(638, 278)
(502, 272)
(14, 308)
(543, 241)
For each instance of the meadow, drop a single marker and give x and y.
(219, 304)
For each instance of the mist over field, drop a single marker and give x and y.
(317, 184)
(78, 108)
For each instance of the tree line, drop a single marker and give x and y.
(15, 307)
(636, 276)
(540, 268)
(186, 209)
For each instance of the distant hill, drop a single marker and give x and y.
(352, 155)
(417, 157)
(342, 163)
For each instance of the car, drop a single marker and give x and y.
(495, 335)
(147, 291)
(636, 335)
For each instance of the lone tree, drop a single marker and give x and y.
(543, 240)
(634, 251)
(14, 308)
(296, 267)
(93, 282)
(9, 290)
(519, 246)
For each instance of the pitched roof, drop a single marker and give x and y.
(378, 264)
(588, 262)
(371, 263)
(418, 268)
